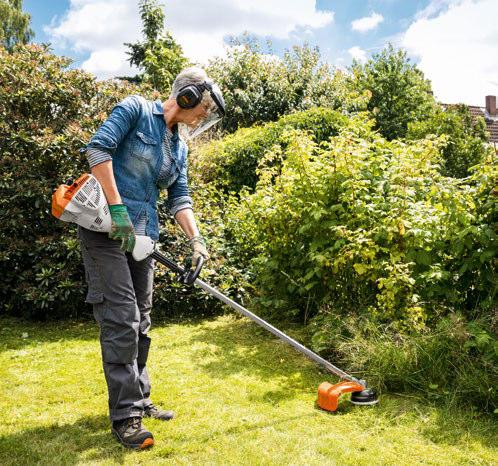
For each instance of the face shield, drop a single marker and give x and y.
(214, 110)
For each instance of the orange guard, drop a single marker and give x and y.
(328, 394)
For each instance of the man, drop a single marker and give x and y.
(136, 152)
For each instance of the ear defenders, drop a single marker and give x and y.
(191, 95)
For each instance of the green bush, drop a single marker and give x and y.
(221, 271)
(230, 163)
(47, 113)
(44, 119)
(369, 225)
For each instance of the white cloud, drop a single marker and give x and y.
(434, 8)
(108, 63)
(358, 54)
(457, 47)
(99, 27)
(367, 23)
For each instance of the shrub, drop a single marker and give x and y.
(230, 163)
(45, 117)
(367, 233)
(369, 226)
(221, 271)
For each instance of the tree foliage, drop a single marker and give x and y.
(400, 94)
(15, 26)
(260, 87)
(158, 55)
(466, 138)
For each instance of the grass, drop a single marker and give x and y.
(241, 397)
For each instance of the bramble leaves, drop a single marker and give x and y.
(385, 232)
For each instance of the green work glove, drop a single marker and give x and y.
(198, 244)
(122, 228)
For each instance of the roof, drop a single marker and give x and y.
(491, 122)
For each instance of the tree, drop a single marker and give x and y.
(15, 24)
(465, 146)
(159, 55)
(259, 87)
(400, 93)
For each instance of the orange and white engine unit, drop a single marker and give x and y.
(82, 202)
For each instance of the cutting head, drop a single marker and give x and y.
(366, 397)
(328, 394)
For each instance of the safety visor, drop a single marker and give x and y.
(215, 110)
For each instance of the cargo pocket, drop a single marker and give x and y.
(119, 333)
(94, 294)
(143, 350)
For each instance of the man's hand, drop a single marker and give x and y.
(198, 244)
(122, 228)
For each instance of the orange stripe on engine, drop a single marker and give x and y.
(64, 193)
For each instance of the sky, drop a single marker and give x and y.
(454, 42)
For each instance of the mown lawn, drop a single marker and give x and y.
(241, 397)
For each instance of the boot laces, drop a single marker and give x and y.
(152, 408)
(134, 422)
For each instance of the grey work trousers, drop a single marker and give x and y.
(120, 290)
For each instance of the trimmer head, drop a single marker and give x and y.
(328, 394)
(366, 397)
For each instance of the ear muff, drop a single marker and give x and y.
(189, 96)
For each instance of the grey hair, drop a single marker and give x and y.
(192, 75)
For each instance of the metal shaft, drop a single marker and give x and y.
(302, 349)
(262, 323)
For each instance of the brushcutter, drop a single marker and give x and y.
(83, 202)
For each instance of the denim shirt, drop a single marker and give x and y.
(133, 135)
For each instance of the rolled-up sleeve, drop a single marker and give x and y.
(96, 156)
(110, 134)
(179, 194)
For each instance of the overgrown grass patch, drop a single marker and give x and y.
(241, 397)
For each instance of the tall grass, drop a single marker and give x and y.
(454, 363)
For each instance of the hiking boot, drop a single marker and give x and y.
(131, 434)
(156, 413)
